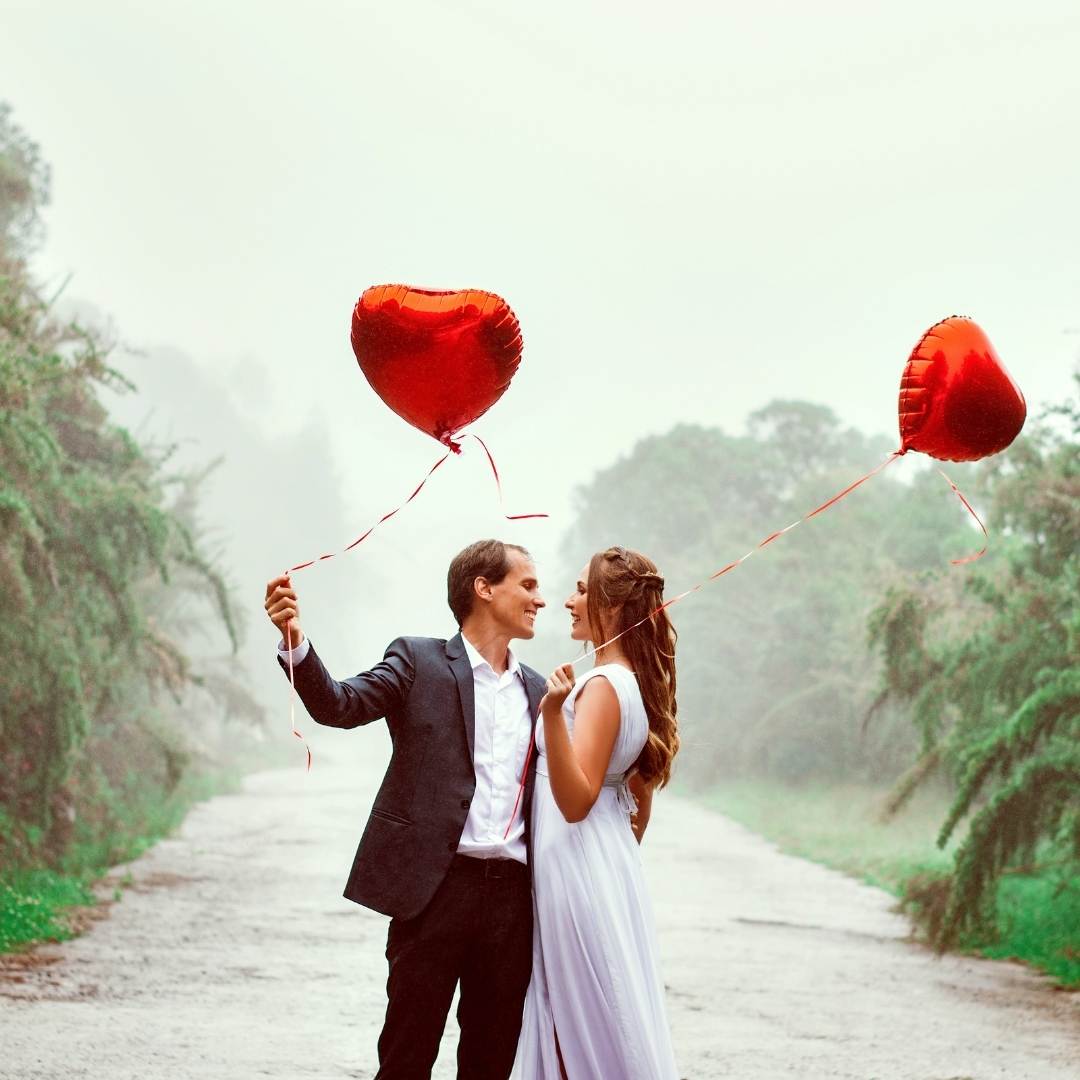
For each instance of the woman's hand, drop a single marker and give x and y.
(560, 683)
(283, 610)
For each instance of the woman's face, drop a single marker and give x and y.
(577, 604)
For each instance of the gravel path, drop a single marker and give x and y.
(233, 955)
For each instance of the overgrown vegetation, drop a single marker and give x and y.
(975, 684)
(104, 575)
(990, 669)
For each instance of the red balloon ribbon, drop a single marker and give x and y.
(726, 570)
(363, 536)
(960, 495)
(292, 695)
(498, 482)
(416, 491)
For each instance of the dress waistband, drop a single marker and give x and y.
(613, 780)
(617, 782)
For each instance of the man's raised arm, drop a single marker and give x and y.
(351, 702)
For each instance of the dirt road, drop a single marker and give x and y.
(234, 956)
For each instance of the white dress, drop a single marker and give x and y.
(595, 977)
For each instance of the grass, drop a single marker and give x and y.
(32, 903)
(839, 826)
(1039, 920)
(1037, 916)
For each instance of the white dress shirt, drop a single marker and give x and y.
(298, 653)
(503, 732)
(502, 735)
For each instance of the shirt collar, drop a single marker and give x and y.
(476, 660)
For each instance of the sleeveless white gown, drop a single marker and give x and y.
(595, 977)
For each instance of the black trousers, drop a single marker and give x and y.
(477, 930)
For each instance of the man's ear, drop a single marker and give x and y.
(482, 589)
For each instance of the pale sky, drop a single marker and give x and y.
(692, 208)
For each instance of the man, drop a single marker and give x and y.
(436, 854)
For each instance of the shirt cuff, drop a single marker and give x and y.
(298, 653)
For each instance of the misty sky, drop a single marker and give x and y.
(692, 208)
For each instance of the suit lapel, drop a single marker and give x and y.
(463, 676)
(534, 688)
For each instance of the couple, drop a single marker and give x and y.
(473, 833)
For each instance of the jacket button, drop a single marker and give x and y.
(464, 804)
(452, 846)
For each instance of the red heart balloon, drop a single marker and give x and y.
(957, 401)
(438, 359)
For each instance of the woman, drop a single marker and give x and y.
(595, 1006)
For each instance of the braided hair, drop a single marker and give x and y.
(625, 588)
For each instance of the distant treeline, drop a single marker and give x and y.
(850, 649)
(775, 677)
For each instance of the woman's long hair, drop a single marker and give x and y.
(625, 588)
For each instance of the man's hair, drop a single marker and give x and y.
(488, 559)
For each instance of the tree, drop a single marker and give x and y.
(24, 188)
(774, 674)
(992, 679)
(94, 536)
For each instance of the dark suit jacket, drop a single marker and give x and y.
(424, 688)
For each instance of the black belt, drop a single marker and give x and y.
(490, 868)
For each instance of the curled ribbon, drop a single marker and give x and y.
(455, 448)
(292, 695)
(960, 495)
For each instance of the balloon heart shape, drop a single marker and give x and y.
(957, 401)
(439, 359)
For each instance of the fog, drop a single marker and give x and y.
(692, 209)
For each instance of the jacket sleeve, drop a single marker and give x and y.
(360, 699)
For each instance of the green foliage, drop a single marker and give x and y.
(991, 676)
(1017, 744)
(31, 903)
(1035, 920)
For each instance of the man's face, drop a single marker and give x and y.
(516, 599)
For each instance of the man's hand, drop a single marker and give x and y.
(282, 610)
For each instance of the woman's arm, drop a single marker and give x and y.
(577, 769)
(643, 793)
